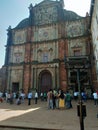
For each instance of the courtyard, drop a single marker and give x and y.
(38, 116)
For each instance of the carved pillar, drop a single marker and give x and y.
(9, 79)
(58, 83)
(35, 78)
(55, 76)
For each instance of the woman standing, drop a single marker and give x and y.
(61, 99)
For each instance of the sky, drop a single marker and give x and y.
(14, 11)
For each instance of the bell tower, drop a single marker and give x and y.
(31, 16)
(62, 3)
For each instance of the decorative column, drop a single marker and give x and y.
(33, 80)
(55, 76)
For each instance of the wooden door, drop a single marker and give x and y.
(46, 82)
(15, 87)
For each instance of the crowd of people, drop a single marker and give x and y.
(56, 99)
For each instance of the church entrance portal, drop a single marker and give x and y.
(45, 82)
(15, 87)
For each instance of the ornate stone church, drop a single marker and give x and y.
(39, 46)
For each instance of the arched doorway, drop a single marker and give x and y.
(45, 81)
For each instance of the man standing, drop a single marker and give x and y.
(29, 97)
(36, 97)
(95, 96)
(49, 99)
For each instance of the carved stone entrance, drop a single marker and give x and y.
(45, 81)
(15, 87)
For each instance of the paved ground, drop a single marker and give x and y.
(38, 116)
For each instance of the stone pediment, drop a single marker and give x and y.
(24, 23)
(70, 15)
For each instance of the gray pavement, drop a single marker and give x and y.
(38, 116)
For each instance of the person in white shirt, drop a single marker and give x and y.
(22, 95)
(36, 97)
(29, 98)
(76, 95)
(95, 96)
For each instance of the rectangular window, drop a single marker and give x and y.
(45, 57)
(18, 57)
(77, 52)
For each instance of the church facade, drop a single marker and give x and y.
(37, 46)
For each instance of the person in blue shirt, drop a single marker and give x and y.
(29, 97)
